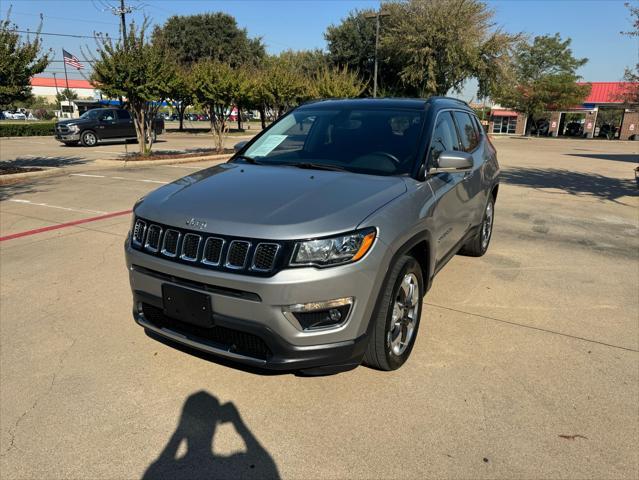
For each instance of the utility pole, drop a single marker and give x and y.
(376, 15)
(122, 10)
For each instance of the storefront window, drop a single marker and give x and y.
(504, 124)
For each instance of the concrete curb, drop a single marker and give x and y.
(12, 178)
(167, 161)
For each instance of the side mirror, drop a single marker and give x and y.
(453, 161)
(239, 145)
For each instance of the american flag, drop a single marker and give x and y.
(71, 60)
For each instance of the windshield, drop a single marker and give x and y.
(378, 142)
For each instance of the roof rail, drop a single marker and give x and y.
(443, 97)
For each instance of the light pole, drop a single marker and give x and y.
(376, 16)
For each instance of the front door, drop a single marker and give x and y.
(449, 217)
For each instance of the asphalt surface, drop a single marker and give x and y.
(526, 364)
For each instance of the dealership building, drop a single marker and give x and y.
(603, 113)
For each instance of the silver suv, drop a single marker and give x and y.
(312, 248)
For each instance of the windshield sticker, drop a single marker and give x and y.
(268, 145)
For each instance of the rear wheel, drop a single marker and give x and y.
(478, 245)
(89, 138)
(397, 321)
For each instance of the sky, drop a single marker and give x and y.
(594, 25)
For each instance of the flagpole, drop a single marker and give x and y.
(66, 77)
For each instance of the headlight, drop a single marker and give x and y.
(338, 250)
(73, 128)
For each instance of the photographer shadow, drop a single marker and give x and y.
(201, 415)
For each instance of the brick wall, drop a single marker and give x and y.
(589, 124)
(629, 124)
(520, 129)
(553, 129)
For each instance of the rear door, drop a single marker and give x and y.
(470, 139)
(125, 126)
(449, 224)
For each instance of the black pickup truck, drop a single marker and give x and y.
(100, 124)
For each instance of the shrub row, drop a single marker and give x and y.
(26, 129)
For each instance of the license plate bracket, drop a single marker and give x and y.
(187, 305)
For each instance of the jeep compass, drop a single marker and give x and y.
(312, 248)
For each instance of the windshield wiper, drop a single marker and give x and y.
(248, 159)
(316, 166)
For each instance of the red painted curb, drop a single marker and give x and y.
(63, 225)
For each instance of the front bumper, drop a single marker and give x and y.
(67, 137)
(250, 305)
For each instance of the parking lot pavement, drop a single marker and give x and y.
(47, 151)
(526, 364)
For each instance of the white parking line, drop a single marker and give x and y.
(143, 180)
(69, 209)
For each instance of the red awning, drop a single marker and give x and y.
(503, 113)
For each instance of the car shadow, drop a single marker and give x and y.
(201, 415)
(571, 182)
(617, 157)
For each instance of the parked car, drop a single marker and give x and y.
(574, 129)
(100, 124)
(17, 115)
(313, 247)
(540, 128)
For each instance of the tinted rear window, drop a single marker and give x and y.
(468, 133)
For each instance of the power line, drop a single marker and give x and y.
(62, 18)
(58, 34)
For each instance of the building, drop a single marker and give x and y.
(50, 87)
(603, 114)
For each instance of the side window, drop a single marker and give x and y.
(124, 115)
(444, 136)
(469, 136)
(107, 116)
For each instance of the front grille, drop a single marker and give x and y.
(139, 230)
(62, 129)
(238, 251)
(212, 254)
(152, 243)
(224, 338)
(252, 256)
(264, 256)
(190, 246)
(170, 245)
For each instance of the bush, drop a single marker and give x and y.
(43, 114)
(26, 129)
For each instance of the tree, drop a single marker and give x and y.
(20, 60)
(336, 83)
(215, 88)
(66, 94)
(631, 92)
(212, 36)
(285, 86)
(544, 78)
(436, 46)
(352, 44)
(180, 91)
(139, 72)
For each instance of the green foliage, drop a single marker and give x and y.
(425, 48)
(336, 83)
(544, 78)
(215, 88)
(180, 90)
(283, 85)
(66, 94)
(26, 129)
(137, 71)
(306, 62)
(212, 36)
(20, 59)
(352, 44)
(631, 92)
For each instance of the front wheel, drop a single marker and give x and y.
(89, 138)
(397, 320)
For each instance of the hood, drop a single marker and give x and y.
(278, 203)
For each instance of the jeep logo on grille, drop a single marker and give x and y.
(195, 223)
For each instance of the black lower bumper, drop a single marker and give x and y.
(248, 343)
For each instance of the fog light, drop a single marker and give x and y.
(316, 315)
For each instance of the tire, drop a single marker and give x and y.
(478, 245)
(89, 138)
(386, 350)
